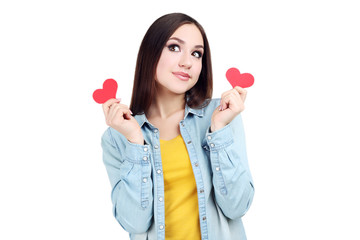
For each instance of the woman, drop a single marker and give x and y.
(177, 162)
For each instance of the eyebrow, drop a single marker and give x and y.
(183, 42)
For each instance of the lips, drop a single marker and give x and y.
(182, 76)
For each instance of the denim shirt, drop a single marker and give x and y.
(219, 162)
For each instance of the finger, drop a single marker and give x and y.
(124, 110)
(241, 95)
(230, 99)
(123, 106)
(126, 107)
(108, 103)
(127, 114)
(119, 112)
(113, 111)
(242, 92)
(238, 97)
(223, 104)
(224, 101)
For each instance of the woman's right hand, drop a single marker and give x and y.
(118, 116)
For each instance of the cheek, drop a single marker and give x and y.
(198, 68)
(161, 66)
(165, 59)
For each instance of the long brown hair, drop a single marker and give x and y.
(149, 54)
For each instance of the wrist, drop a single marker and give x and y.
(214, 127)
(137, 141)
(137, 138)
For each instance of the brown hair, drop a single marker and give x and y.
(149, 54)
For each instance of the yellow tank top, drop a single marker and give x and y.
(181, 203)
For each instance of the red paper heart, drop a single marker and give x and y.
(235, 78)
(108, 91)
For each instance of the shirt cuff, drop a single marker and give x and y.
(137, 153)
(219, 139)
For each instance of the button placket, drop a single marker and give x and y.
(146, 172)
(160, 191)
(156, 146)
(145, 158)
(198, 177)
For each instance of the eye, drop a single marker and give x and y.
(197, 54)
(174, 48)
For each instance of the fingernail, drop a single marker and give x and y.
(131, 111)
(119, 99)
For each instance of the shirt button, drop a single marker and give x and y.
(144, 179)
(201, 190)
(217, 168)
(196, 164)
(209, 137)
(155, 131)
(161, 227)
(145, 149)
(204, 218)
(145, 158)
(212, 145)
(160, 199)
(156, 146)
(158, 171)
(182, 124)
(189, 142)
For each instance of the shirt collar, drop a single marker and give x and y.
(141, 118)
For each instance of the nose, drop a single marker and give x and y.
(185, 61)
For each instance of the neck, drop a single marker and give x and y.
(165, 105)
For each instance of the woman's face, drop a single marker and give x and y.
(180, 65)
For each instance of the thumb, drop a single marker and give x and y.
(128, 115)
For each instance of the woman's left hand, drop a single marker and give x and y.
(231, 104)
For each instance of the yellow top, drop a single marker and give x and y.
(181, 203)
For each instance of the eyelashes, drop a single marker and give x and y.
(198, 54)
(172, 48)
(176, 48)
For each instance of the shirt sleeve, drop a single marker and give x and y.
(232, 180)
(129, 171)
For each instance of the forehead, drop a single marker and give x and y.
(189, 33)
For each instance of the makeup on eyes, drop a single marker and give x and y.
(174, 45)
(200, 54)
(171, 46)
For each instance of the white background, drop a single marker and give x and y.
(301, 117)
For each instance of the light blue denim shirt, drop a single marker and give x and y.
(219, 162)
